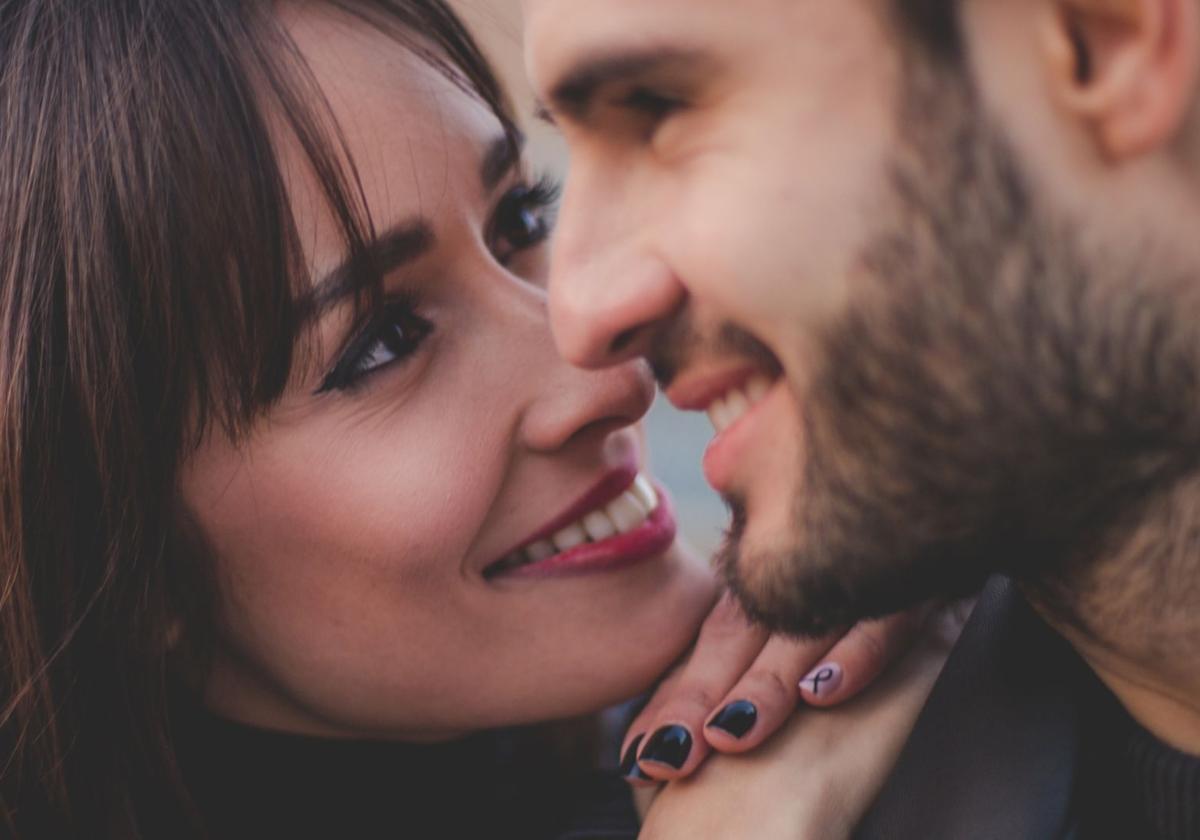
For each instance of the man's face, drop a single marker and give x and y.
(713, 207)
(821, 231)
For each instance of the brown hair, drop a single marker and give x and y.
(150, 290)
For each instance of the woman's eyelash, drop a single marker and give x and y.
(523, 217)
(397, 331)
(389, 338)
(546, 191)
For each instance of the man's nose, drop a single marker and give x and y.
(609, 291)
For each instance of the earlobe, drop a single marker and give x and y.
(1125, 69)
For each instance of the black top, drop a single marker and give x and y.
(1167, 786)
(1131, 784)
(1019, 739)
(252, 783)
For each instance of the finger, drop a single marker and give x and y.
(670, 726)
(766, 695)
(860, 656)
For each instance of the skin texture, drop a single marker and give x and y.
(967, 268)
(845, 755)
(349, 528)
(744, 213)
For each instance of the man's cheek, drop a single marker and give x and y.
(721, 254)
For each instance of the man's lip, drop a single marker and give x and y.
(726, 452)
(696, 391)
(613, 484)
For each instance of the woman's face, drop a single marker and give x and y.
(359, 528)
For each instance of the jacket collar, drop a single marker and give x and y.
(994, 750)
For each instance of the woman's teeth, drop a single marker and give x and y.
(727, 410)
(623, 514)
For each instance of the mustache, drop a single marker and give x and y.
(679, 344)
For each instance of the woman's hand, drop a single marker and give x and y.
(739, 685)
(820, 772)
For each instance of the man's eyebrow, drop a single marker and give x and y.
(575, 91)
(502, 156)
(396, 247)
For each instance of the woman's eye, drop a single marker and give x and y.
(523, 218)
(391, 339)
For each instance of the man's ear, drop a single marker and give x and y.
(1126, 69)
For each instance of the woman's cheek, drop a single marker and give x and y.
(334, 550)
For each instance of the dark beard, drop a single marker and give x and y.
(995, 398)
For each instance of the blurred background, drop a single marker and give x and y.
(677, 440)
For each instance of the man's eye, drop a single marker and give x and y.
(523, 218)
(651, 104)
(389, 340)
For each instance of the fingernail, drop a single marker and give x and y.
(737, 718)
(669, 745)
(822, 680)
(629, 766)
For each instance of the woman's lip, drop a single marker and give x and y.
(725, 452)
(608, 488)
(649, 540)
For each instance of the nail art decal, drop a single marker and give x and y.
(823, 680)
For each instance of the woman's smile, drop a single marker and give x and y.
(436, 462)
(623, 520)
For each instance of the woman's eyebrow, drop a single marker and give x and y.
(396, 247)
(410, 239)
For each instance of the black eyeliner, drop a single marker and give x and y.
(541, 196)
(343, 375)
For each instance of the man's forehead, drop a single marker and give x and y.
(561, 33)
(549, 22)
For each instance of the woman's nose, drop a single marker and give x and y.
(574, 404)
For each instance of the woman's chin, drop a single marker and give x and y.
(612, 655)
(660, 630)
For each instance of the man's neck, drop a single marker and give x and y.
(1133, 614)
(1163, 700)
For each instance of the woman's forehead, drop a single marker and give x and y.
(415, 138)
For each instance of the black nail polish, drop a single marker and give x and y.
(669, 745)
(629, 766)
(737, 718)
(638, 775)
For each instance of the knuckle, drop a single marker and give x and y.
(910, 621)
(869, 637)
(693, 699)
(769, 686)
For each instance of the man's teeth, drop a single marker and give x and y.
(623, 514)
(727, 410)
